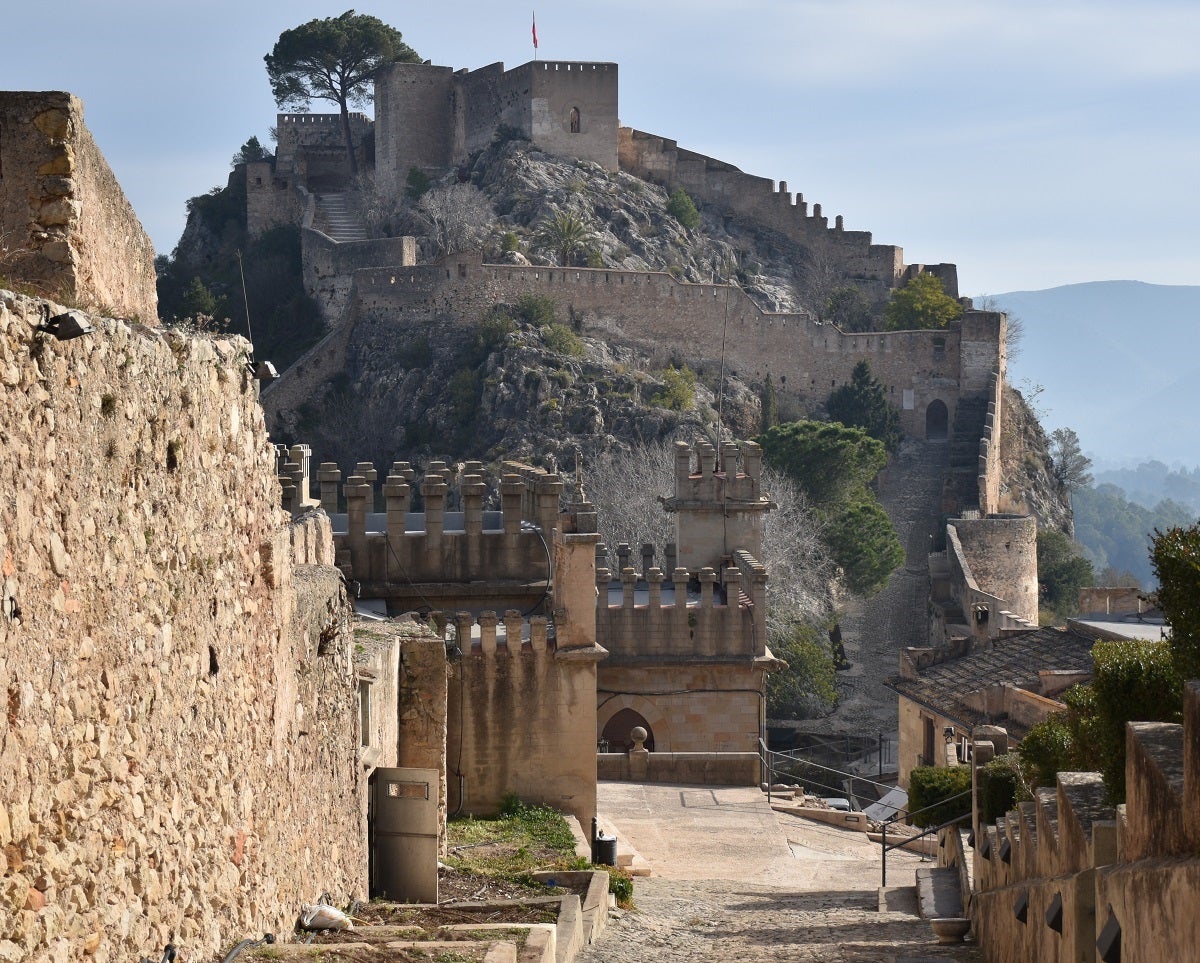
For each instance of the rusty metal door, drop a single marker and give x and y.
(404, 835)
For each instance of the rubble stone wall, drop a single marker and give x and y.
(178, 747)
(64, 219)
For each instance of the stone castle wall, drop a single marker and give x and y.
(1002, 555)
(691, 321)
(874, 268)
(64, 217)
(178, 752)
(432, 118)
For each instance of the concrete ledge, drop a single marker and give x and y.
(540, 941)
(592, 909)
(831, 817)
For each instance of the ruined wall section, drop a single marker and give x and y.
(74, 234)
(806, 358)
(178, 752)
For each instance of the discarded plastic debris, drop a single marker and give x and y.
(322, 916)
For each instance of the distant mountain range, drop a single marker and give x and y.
(1118, 361)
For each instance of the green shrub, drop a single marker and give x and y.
(416, 183)
(1000, 787)
(536, 309)
(937, 786)
(1046, 750)
(864, 544)
(560, 338)
(1133, 682)
(510, 242)
(682, 208)
(678, 391)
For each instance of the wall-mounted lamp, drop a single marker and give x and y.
(66, 326)
(948, 734)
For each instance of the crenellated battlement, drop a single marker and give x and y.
(452, 533)
(489, 634)
(718, 502)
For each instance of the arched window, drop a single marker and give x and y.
(937, 421)
(574, 120)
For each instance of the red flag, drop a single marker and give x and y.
(535, 32)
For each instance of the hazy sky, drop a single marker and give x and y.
(1033, 144)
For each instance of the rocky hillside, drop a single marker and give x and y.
(1029, 485)
(516, 384)
(627, 222)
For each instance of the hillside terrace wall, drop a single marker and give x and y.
(178, 753)
(806, 358)
(74, 235)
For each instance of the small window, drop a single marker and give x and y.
(364, 711)
(575, 120)
(939, 349)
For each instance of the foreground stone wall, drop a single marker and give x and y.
(178, 750)
(1132, 871)
(64, 218)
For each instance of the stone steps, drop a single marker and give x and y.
(335, 219)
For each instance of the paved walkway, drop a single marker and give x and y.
(735, 882)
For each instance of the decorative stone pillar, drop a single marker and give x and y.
(487, 632)
(513, 623)
(328, 477)
(358, 494)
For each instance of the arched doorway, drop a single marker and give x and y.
(575, 128)
(616, 731)
(937, 421)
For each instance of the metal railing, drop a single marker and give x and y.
(777, 763)
(899, 813)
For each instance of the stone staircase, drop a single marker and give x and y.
(874, 630)
(969, 419)
(336, 218)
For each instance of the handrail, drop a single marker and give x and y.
(839, 772)
(908, 839)
(770, 770)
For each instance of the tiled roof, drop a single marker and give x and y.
(1014, 660)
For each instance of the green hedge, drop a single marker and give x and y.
(931, 785)
(999, 787)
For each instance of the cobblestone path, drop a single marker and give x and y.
(734, 882)
(739, 922)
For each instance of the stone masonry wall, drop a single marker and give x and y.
(178, 750)
(806, 358)
(62, 212)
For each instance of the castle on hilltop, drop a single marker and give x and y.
(433, 118)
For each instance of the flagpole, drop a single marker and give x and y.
(535, 40)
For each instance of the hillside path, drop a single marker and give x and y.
(736, 882)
